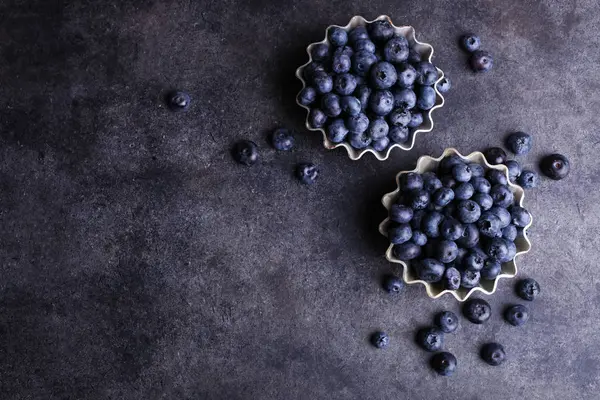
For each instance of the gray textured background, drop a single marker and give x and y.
(138, 261)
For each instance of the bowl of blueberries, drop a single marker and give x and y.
(456, 224)
(370, 87)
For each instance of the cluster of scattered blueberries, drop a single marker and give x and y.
(480, 60)
(368, 86)
(477, 311)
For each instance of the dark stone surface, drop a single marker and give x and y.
(138, 261)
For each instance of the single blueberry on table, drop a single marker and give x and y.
(447, 321)
(344, 84)
(400, 117)
(519, 143)
(381, 102)
(519, 217)
(411, 181)
(430, 339)
(380, 144)
(443, 363)
(474, 260)
(495, 155)
(178, 101)
(481, 61)
(528, 289)
(363, 93)
(484, 200)
(416, 119)
(362, 62)
(399, 233)
(452, 229)
(431, 183)
(491, 269)
(337, 36)
(419, 238)
(383, 75)
(497, 248)
(446, 251)
(451, 279)
(476, 170)
(317, 118)
(322, 82)
(493, 354)
(503, 214)
(477, 311)
(448, 163)
(555, 166)
(399, 134)
(470, 236)
(364, 45)
(427, 74)
(307, 173)
(467, 211)
(502, 196)
(358, 33)
(380, 31)
(496, 177)
(392, 284)
(414, 57)
(406, 251)
(470, 42)
(396, 49)
(429, 269)
(517, 315)
(528, 179)
(282, 139)
(444, 85)
(357, 123)
(341, 63)
(350, 105)
(510, 232)
(407, 74)
(307, 96)
(245, 152)
(514, 169)
(489, 225)
(359, 140)
(426, 97)
(319, 52)
(430, 223)
(330, 104)
(337, 130)
(380, 339)
(378, 128)
(448, 181)
(470, 279)
(404, 98)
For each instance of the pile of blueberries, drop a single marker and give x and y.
(458, 224)
(368, 86)
(477, 311)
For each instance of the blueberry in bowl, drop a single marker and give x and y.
(456, 224)
(361, 73)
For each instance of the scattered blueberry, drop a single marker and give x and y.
(430, 339)
(495, 155)
(447, 321)
(337, 36)
(380, 339)
(429, 269)
(178, 101)
(519, 143)
(528, 179)
(556, 166)
(470, 42)
(481, 61)
(493, 354)
(444, 85)
(477, 311)
(396, 50)
(307, 173)
(282, 139)
(392, 284)
(245, 152)
(517, 315)
(443, 363)
(528, 289)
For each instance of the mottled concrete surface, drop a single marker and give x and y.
(139, 262)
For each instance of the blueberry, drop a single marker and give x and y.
(528, 289)
(419, 238)
(344, 84)
(407, 75)
(426, 97)
(474, 260)
(357, 123)
(362, 62)
(363, 93)
(322, 82)
(444, 85)
(427, 74)
(380, 31)
(491, 269)
(448, 181)
(467, 211)
(359, 140)
(245, 152)
(311, 70)
(442, 197)
(319, 52)
(337, 36)
(404, 98)
(414, 57)
(330, 104)
(411, 181)
(461, 172)
(316, 118)
(447, 321)
(282, 139)
(496, 248)
(307, 96)
(364, 45)
(419, 199)
(415, 222)
(484, 200)
(510, 232)
(396, 49)
(514, 169)
(516, 315)
(496, 177)
(399, 134)
(446, 251)
(502, 214)
(350, 105)
(343, 50)
(337, 130)
(380, 339)
(178, 101)
(519, 143)
(493, 354)
(512, 250)
(451, 279)
(378, 128)
(489, 225)
(398, 234)
(470, 279)
(430, 339)
(382, 75)
(392, 284)
(399, 117)
(307, 173)
(380, 144)
(481, 185)
(430, 224)
(431, 183)
(470, 42)
(527, 179)
(452, 229)
(470, 236)
(416, 119)
(495, 155)
(556, 166)
(481, 61)
(358, 33)
(381, 102)
(502, 195)
(341, 63)
(406, 251)
(477, 311)
(448, 163)
(443, 363)
(519, 216)
(476, 170)
(464, 191)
